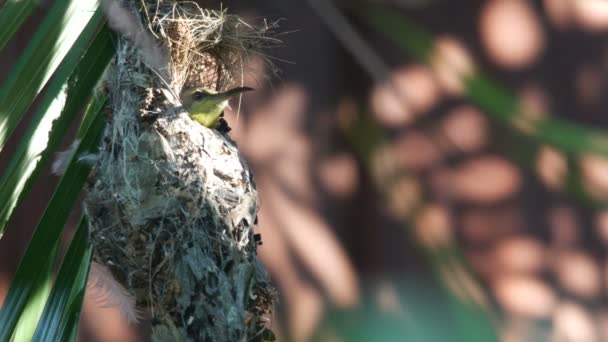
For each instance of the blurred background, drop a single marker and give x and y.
(428, 170)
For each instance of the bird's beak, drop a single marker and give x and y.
(232, 92)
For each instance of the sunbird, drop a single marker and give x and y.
(206, 106)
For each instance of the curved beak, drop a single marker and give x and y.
(232, 92)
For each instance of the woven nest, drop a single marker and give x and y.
(173, 204)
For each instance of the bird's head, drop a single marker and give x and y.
(198, 99)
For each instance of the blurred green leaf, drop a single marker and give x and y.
(495, 100)
(397, 27)
(54, 38)
(503, 106)
(39, 252)
(57, 110)
(65, 300)
(41, 283)
(12, 15)
(420, 310)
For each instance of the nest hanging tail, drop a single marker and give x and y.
(173, 204)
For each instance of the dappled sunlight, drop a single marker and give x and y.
(452, 64)
(511, 33)
(520, 254)
(434, 227)
(524, 295)
(403, 197)
(485, 179)
(573, 323)
(578, 273)
(552, 168)
(465, 128)
(418, 86)
(339, 175)
(416, 151)
(384, 162)
(591, 15)
(594, 176)
(410, 92)
(388, 108)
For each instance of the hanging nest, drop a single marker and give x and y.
(173, 204)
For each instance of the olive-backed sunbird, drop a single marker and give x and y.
(206, 106)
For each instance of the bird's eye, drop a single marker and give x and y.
(197, 96)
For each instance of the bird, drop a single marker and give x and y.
(206, 106)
